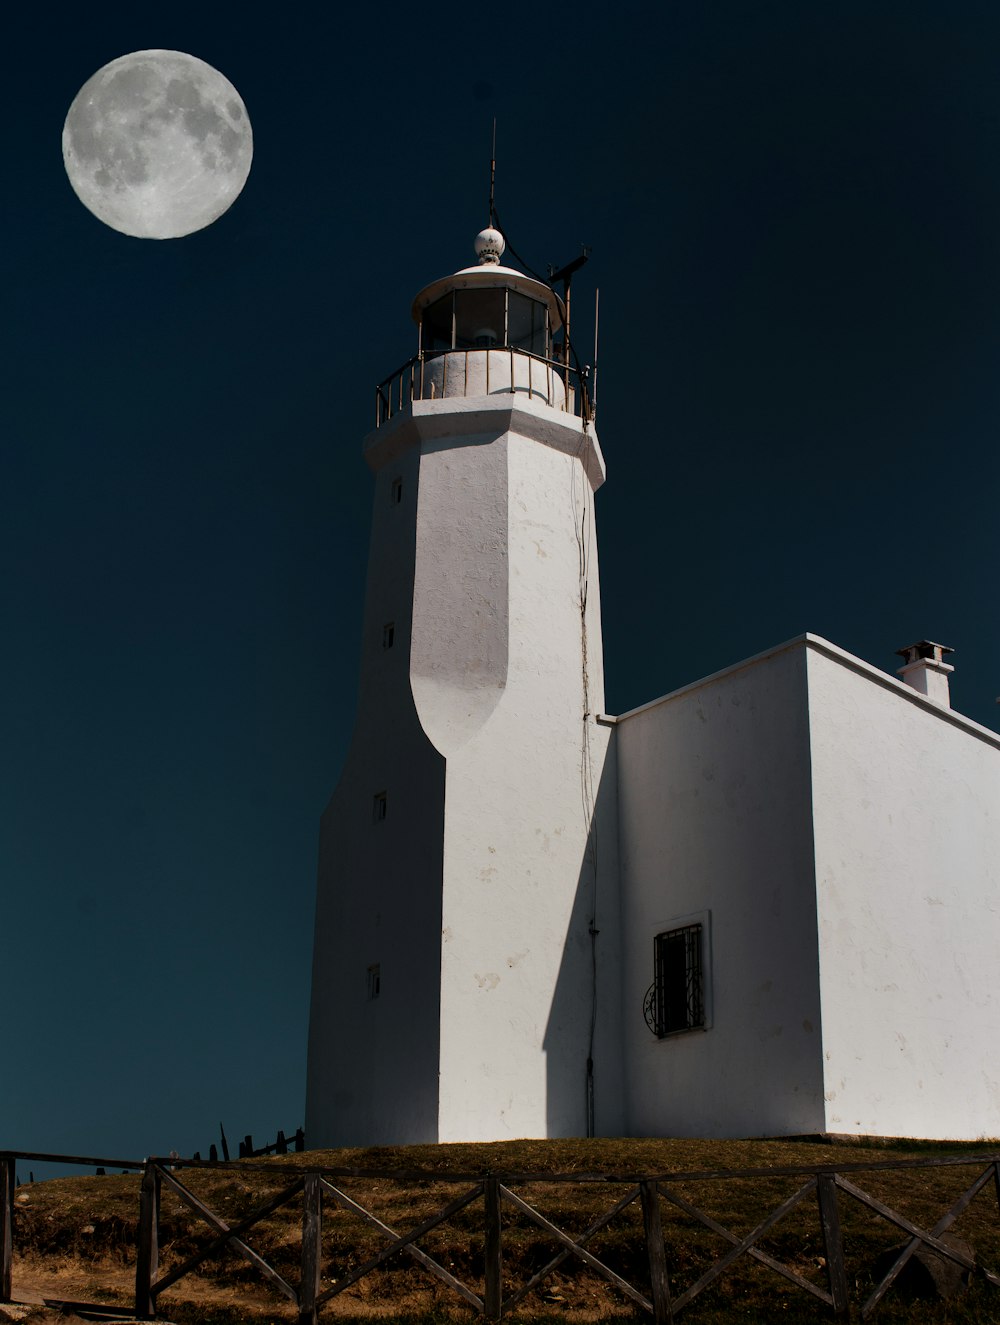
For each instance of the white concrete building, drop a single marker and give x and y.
(768, 903)
(837, 835)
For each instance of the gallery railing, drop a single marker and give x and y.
(484, 371)
(818, 1193)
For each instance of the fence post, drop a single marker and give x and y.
(659, 1282)
(8, 1182)
(312, 1248)
(147, 1255)
(492, 1301)
(829, 1218)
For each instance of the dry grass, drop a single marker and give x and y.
(75, 1237)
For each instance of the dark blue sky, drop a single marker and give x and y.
(794, 211)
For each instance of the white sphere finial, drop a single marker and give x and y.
(489, 245)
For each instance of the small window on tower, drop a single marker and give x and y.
(396, 492)
(388, 635)
(374, 981)
(380, 806)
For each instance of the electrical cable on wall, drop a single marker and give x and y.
(582, 516)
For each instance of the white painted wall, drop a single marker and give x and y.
(907, 825)
(476, 895)
(843, 831)
(516, 976)
(714, 810)
(497, 677)
(379, 883)
(489, 372)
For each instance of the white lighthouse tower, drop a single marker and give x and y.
(465, 976)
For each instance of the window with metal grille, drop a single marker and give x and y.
(675, 1001)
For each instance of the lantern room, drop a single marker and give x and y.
(484, 330)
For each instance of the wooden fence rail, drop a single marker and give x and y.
(322, 1193)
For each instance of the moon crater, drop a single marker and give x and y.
(157, 144)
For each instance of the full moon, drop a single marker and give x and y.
(157, 144)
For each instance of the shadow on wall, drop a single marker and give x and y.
(582, 1021)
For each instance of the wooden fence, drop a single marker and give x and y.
(321, 1192)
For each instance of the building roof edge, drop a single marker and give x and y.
(836, 654)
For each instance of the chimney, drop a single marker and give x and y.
(926, 670)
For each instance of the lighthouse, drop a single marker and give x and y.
(762, 904)
(465, 971)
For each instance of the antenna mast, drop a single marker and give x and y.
(493, 174)
(593, 381)
(565, 274)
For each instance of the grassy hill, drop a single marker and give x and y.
(75, 1237)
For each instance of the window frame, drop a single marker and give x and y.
(676, 925)
(544, 330)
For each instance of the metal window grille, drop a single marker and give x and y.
(675, 1001)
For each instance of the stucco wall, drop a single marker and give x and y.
(714, 813)
(477, 894)
(516, 979)
(373, 1063)
(907, 826)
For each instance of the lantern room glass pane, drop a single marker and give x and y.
(527, 324)
(479, 319)
(436, 326)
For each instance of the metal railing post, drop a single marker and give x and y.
(312, 1248)
(409, 382)
(492, 1299)
(658, 1280)
(147, 1252)
(829, 1218)
(8, 1181)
